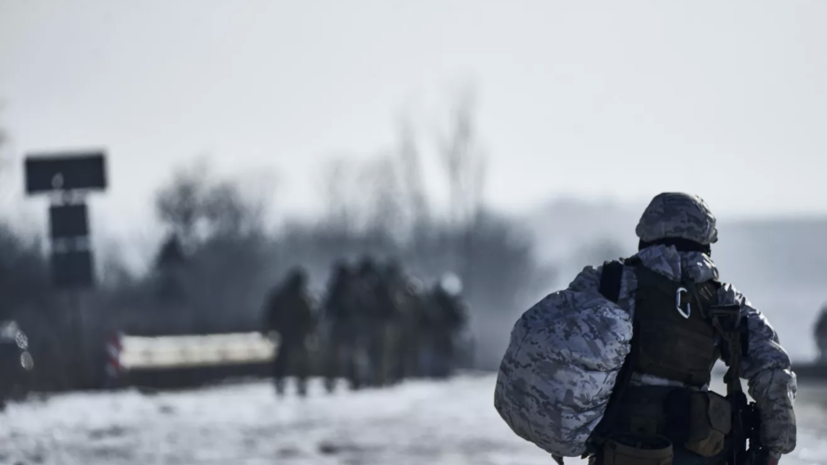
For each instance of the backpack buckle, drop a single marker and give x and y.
(728, 315)
(688, 312)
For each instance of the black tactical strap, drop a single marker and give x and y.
(610, 280)
(731, 331)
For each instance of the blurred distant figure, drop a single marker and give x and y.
(340, 323)
(289, 313)
(376, 310)
(411, 338)
(15, 363)
(168, 266)
(445, 318)
(821, 335)
(398, 319)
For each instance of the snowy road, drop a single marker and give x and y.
(416, 423)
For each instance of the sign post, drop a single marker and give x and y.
(67, 178)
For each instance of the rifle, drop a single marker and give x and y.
(746, 431)
(747, 448)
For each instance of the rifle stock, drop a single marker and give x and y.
(746, 432)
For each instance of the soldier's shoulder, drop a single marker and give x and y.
(728, 294)
(588, 279)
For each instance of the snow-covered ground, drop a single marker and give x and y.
(416, 423)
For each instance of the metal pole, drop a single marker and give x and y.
(80, 334)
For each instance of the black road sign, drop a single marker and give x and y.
(73, 269)
(65, 172)
(67, 221)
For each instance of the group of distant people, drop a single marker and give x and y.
(374, 326)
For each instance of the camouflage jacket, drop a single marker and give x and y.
(558, 406)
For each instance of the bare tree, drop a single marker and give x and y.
(408, 156)
(112, 271)
(3, 134)
(180, 204)
(464, 162)
(337, 190)
(197, 207)
(229, 213)
(379, 182)
(5, 160)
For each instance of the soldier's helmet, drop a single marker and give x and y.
(451, 284)
(393, 268)
(674, 215)
(367, 267)
(415, 286)
(341, 269)
(297, 278)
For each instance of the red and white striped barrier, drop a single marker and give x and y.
(134, 358)
(114, 349)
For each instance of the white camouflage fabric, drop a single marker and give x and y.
(561, 365)
(675, 215)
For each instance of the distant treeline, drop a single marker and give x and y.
(219, 258)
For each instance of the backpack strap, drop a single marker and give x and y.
(611, 279)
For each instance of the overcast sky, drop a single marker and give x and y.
(600, 99)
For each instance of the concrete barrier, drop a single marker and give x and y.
(146, 353)
(184, 361)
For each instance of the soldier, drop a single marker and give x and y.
(652, 326)
(339, 320)
(821, 335)
(449, 318)
(375, 306)
(400, 302)
(169, 266)
(289, 313)
(428, 325)
(410, 336)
